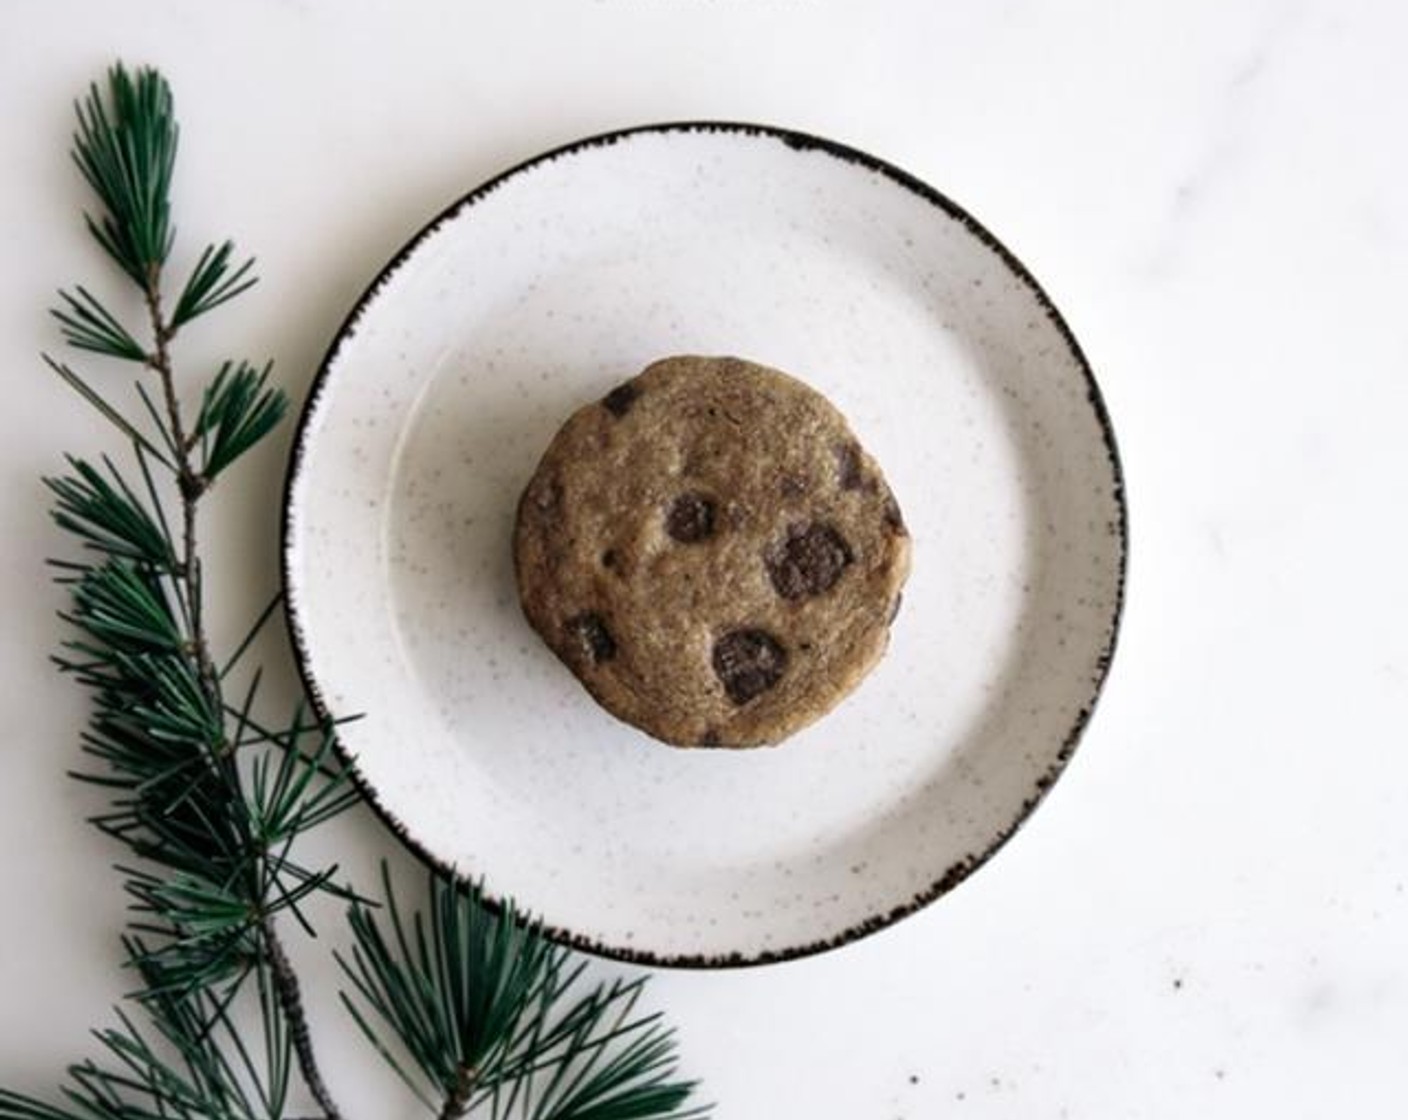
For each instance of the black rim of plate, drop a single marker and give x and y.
(803, 143)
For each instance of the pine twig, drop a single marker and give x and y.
(192, 485)
(485, 1011)
(457, 1103)
(160, 719)
(291, 1000)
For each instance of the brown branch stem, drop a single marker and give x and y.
(291, 1000)
(192, 484)
(458, 1100)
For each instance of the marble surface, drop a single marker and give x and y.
(1208, 917)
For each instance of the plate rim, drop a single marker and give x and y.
(801, 142)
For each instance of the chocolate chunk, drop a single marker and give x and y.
(894, 520)
(609, 559)
(589, 630)
(618, 402)
(848, 472)
(808, 562)
(791, 486)
(691, 518)
(748, 663)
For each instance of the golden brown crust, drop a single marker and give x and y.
(711, 552)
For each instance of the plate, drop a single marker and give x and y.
(544, 288)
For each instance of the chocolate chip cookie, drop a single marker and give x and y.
(711, 552)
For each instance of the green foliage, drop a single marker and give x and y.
(124, 609)
(238, 410)
(109, 518)
(191, 1063)
(209, 798)
(87, 325)
(489, 1021)
(211, 284)
(126, 149)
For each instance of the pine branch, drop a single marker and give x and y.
(127, 154)
(476, 1011)
(109, 517)
(483, 1007)
(88, 325)
(211, 284)
(190, 1064)
(238, 410)
(290, 1000)
(301, 791)
(124, 608)
(216, 866)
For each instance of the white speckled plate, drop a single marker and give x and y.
(541, 291)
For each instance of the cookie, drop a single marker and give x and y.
(710, 550)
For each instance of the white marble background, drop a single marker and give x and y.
(1208, 917)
